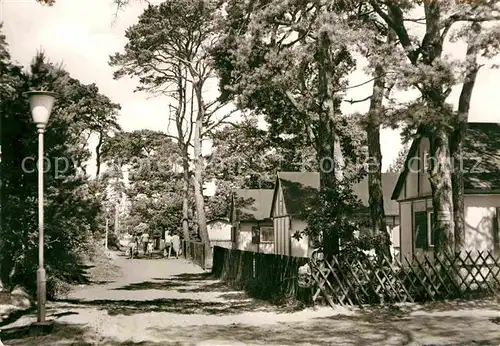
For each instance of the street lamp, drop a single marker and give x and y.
(41, 103)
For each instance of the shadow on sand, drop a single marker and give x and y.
(228, 304)
(178, 306)
(67, 334)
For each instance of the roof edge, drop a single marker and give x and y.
(402, 176)
(218, 219)
(275, 191)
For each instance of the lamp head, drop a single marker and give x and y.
(41, 103)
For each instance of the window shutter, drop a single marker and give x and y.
(420, 231)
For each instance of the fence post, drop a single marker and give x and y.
(253, 265)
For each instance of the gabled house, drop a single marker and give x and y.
(291, 193)
(481, 167)
(252, 228)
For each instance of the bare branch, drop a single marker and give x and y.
(211, 127)
(364, 83)
(415, 20)
(465, 17)
(351, 101)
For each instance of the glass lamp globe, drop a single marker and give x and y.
(41, 103)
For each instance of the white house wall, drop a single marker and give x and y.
(417, 182)
(406, 227)
(219, 231)
(480, 212)
(425, 185)
(412, 180)
(481, 232)
(394, 232)
(300, 248)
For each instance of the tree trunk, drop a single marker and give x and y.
(457, 137)
(98, 156)
(185, 199)
(457, 188)
(375, 190)
(328, 180)
(440, 168)
(325, 138)
(183, 143)
(198, 174)
(442, 197)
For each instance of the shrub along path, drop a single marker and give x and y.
(161, 302)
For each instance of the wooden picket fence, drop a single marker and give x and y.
(195, 252)
(422, 278)
(264, 276)
(360, 280)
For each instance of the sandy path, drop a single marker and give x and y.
(161, 302)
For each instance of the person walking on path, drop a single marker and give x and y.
(176, 245)
(150, 249)
(145, 241)
(168, 244)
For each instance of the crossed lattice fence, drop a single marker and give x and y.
(360, 281)
(426, 277)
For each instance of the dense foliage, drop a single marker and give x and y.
(246, 156)
(154, 187)
(167, 50)
(72, 210)
(290, 61)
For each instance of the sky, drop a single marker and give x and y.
(83, 33)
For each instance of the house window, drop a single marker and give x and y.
(420, 233)
(430, 228)
(424, 231)
(255, 235)
(267, 234)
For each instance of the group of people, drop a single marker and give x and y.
(136, 242)
(172, 243)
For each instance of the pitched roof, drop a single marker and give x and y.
(480, 163)
(218, 219)
(252, 204)
(481, 149)
(388, 182)
(299, 186)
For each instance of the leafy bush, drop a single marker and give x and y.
(332, 213)
(57, 288)
(72, 208)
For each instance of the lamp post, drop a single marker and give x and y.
(41, 103)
